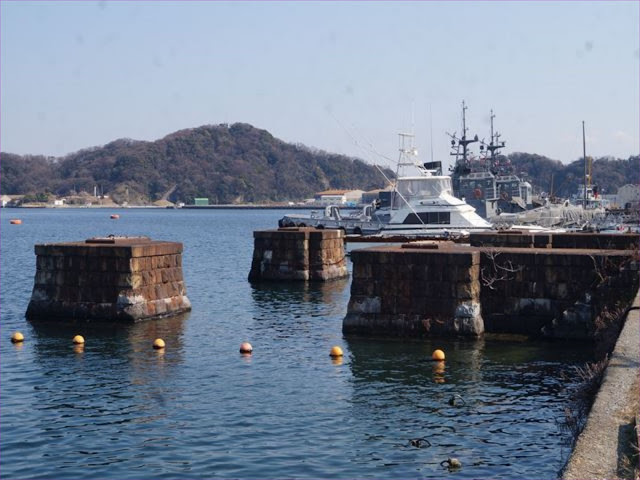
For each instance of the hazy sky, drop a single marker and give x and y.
(342, 76)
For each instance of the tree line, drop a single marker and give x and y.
(242, 164)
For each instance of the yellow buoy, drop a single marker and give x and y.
(245, 347)
(17, 337)
(158, 343)
(336, 352)
(78, 339)
(437, 355)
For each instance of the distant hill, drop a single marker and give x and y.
(607, 172)
(227, 164)
(244, 164)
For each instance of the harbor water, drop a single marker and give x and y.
(120, 410)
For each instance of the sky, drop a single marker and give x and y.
(340, 76)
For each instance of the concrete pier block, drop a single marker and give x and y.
(438, 289)
(298, 254)
(121, 279)
(402, 291)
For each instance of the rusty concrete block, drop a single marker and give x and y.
(141, 264)
(45, 263)
(467, 291)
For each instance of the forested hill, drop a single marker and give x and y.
(552, 176)
(227, 164)
(243, 164)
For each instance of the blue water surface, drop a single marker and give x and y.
(121, 410)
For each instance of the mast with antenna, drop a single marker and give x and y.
(431, 131)
(584, 155)
(462, 163)
(495, 144)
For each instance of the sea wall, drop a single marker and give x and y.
(298, 254)
(607, 445)
(121, 279)
(449, 289)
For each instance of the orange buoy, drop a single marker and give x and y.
(115, 216)
(17, 337)
(336, 352)
(245, 347)
(15, 221)
(78, 339)
(437, 355)
(158, 343)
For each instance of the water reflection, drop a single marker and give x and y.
(113, 341)
(290, 308)
(306, 292)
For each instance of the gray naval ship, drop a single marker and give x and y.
(488, 181)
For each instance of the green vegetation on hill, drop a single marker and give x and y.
(243, 164)
(227, 164)
(607, 172)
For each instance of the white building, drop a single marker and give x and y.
(339, 197)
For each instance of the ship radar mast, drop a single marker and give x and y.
(462, 160)
(495, 144)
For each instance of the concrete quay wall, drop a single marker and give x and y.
(462, 290)
(298, 254)
(111, 279)
(523, 239)
(608, 436)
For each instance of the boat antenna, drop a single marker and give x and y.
(413, 117)
(463, 142)
(584, 155)
(431, 131)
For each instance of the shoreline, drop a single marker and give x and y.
(186, 207)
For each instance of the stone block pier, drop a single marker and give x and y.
(290, 254)
(121, 279)
(515, 283)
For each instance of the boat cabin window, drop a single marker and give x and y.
(438, 218)
(417, 188)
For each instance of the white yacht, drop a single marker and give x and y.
(422, 203)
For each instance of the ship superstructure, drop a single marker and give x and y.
(487, 182)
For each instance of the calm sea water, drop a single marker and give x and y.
(121, 410)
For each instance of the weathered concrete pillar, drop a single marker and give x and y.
(298, 254)
(414, 291)
(114, 279)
